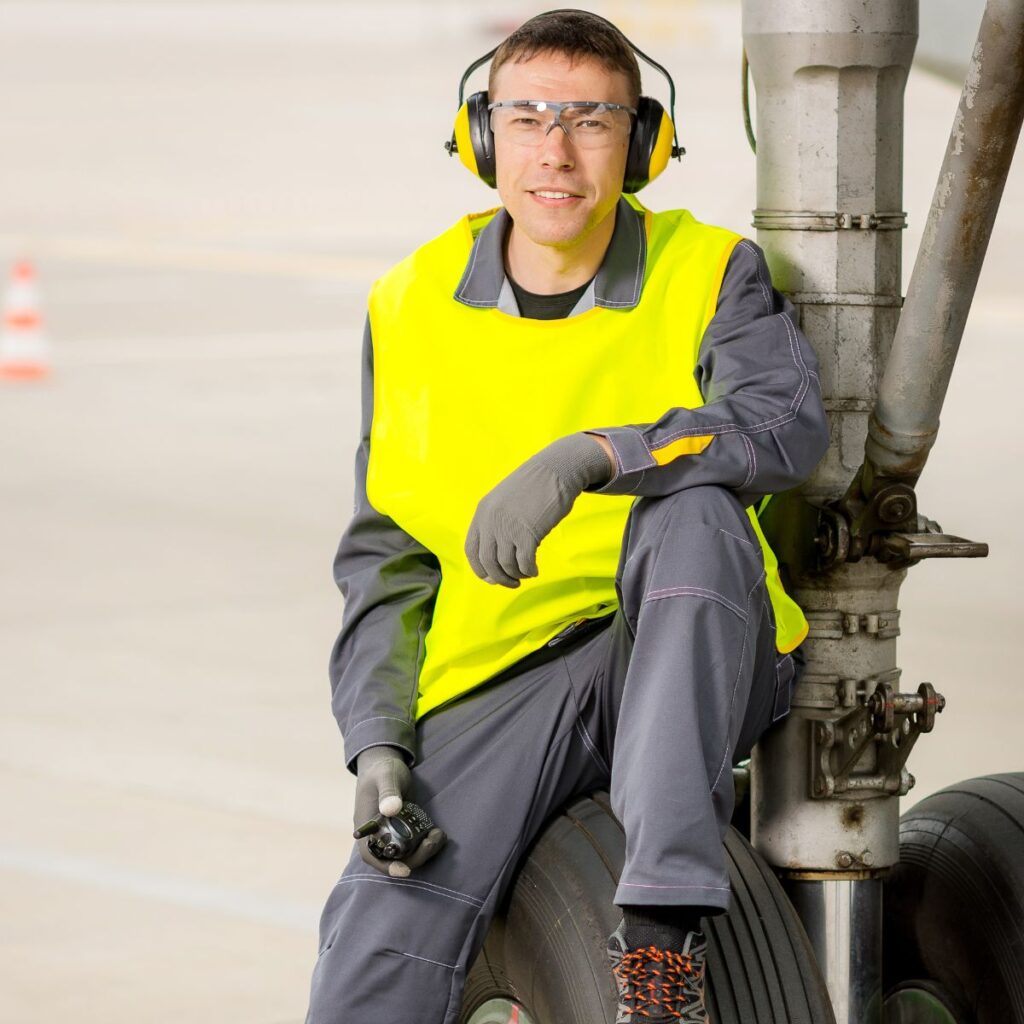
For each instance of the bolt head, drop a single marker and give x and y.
(844, 860)
(894, 509)
(867, 858)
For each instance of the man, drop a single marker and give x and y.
(552, 580)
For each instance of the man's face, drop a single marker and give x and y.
(592, 177)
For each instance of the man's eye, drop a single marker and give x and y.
(525, 122)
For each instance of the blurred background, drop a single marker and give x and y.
(205, 191)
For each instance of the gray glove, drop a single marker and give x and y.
(382, 784)
(513, 518)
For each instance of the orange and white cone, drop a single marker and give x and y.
(24, 350)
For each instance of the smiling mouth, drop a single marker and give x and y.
(554, 197)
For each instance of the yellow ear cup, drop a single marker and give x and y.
(662, 149)
(463, 139)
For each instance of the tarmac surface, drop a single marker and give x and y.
(207, 190)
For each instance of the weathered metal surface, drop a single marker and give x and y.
(851, 653)
(984, 135)
(829, 81)
(845, 928)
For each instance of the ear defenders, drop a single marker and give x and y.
(652, 141)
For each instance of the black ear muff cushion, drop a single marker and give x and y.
(649, 114)
(481, 136)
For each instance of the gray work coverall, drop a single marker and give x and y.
(655, 702)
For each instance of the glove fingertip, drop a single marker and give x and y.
(390, 806)
(369, 859)
(428, 848)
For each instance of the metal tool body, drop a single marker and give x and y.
(397, 836)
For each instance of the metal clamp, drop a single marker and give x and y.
(887, 720)
(832, 624)
(833, 220)
(826, 692)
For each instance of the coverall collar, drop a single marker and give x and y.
(616, 286)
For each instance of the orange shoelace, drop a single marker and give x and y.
(660, 979)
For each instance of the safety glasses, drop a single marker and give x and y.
(588, 123)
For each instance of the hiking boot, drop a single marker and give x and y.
(659, 986)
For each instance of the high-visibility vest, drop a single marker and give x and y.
(463, 396)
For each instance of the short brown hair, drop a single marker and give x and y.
(577, 34)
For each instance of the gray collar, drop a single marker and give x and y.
(616, 286)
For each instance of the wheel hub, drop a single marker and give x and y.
(500, 1011)
(918, 1003)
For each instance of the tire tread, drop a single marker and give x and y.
(560, 911)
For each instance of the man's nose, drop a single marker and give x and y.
(556, 149)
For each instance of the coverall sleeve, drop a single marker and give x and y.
(763, 427)
(389, 581)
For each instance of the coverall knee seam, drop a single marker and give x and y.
(425, 959)
(427, 887)
(443, 889)
(710, 595)
(642, 885)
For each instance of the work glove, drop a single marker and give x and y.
(383, 781)
(513, 518)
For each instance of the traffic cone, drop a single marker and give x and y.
(24, 350)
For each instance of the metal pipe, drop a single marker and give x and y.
(903, 426)
(844, 924)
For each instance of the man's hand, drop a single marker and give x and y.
(382, 784)
(513, 518)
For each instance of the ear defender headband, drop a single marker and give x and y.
(652, 141)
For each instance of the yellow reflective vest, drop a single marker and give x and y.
(439, 441)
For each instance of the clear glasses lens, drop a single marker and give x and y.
(589, 125)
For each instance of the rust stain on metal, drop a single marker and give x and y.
(853, 816)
